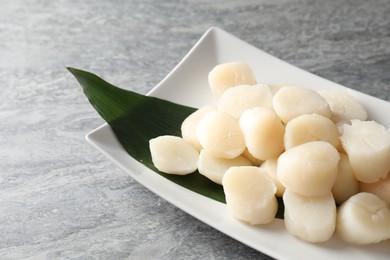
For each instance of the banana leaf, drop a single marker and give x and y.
(136, 118)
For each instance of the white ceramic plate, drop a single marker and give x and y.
(187, 84)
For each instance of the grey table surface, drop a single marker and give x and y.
(62, 199)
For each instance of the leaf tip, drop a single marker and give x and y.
(72, 70)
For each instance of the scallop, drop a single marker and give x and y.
(227, 75)
(292, 101)
(269, 166)
(173, 155)
(346, 184)
(312, 219)
(250, 194)
(188, 127)
(363, 219)
(343, 105)
(309, 169)
(380, 188)
(234, 101)
(367, 144)
(214, 168)
(220, 135)
(263, 132)
(310, 127)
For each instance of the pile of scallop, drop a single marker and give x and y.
(315, 149)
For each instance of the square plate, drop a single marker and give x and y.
(187, 84)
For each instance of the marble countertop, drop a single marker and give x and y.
(62, 199)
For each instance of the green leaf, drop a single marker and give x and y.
(136, 118)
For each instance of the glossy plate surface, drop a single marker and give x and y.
(187, 84)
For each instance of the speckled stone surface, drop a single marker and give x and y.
(60, 198)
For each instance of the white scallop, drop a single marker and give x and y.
(234, 101)
(227, 75)
(214, 168)
(173, 155)
(292, 101)
(188, 127)
(269, 166)
(363, 219)
(312, 219)
(250, 194)
(263, 132)
(344, 106)
(310, 127)
(367, 145)
(346, 184)
(309, 169)
(220, 135)
(380, 188)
